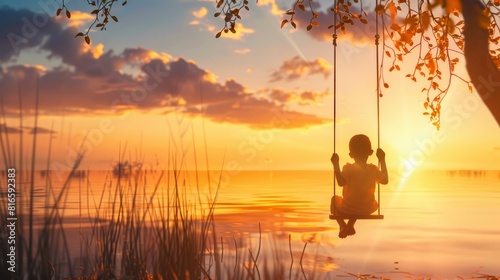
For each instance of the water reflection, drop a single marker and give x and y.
(441, 224)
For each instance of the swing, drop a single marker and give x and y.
(334, 215)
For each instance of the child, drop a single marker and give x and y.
(358, 180)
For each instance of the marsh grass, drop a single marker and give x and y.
(135, 235)
(127, 232)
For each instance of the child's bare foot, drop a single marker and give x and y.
(342, 228)
(343, 232)
(350, 230)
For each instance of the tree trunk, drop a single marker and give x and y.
(484, 74)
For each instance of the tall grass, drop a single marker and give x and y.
(137, 229)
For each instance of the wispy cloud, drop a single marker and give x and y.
(241, 31)
(243, 51)
(77, 19)
(201, 13)
(9, 129)
(302, 98)
(297, 67)
(275, 9)
(41, 130)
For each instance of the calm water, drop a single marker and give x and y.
(437, 224)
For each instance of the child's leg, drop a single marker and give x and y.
(342, 228)
(350, 227)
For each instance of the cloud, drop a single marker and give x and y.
(200, 20)
(358, 33)
(19, 32)
(41, 130)
(201, 13)
(275, 9)
(9, 129)
(302, 98)
(241, 31)
(77, 19)
(205, 25)
(297, 67)
(243, 51)
(91, 81)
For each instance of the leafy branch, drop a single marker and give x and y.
(431, 30)
(231, 11)
(102, 12)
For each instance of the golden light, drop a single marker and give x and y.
(201, 13)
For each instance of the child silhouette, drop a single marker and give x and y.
(358, 181)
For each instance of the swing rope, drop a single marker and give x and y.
(334, 98)
(377, 37)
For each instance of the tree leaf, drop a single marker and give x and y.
(114, 18)
(431, 64)
(283, 22)
(58, 11)
(293, 24)
(68, 14)
(453, 5)
(218, 34)
(87, 40)
(426, 20)
(301, 6)
(380, 9)
(392, 10)
(79, 34)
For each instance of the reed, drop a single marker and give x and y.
(141, 226)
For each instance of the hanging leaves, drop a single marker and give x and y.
(102, 10)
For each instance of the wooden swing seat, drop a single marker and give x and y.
(358, 217)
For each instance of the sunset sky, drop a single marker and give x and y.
(158, 83)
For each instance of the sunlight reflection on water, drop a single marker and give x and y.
(437, 223)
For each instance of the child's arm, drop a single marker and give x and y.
(383, 166)
(336, 168)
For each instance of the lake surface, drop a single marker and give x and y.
(438, 224)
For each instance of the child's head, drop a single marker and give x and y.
(360, 146)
